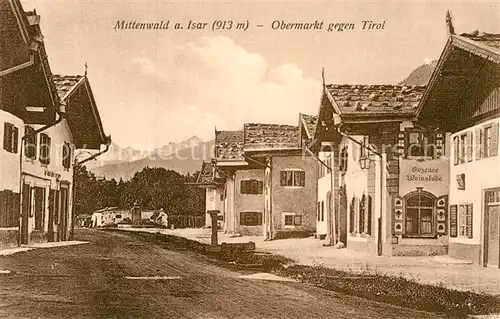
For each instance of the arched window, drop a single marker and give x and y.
(419, 214)
(352, 213)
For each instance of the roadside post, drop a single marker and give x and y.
(214, 243)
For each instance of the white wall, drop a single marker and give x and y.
(479, 175)
(9, 162)
(324, 186)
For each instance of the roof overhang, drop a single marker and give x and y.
(83, 116)
(231, 163)
(460, 62)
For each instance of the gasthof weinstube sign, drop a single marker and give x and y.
(431, 175)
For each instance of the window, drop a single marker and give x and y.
(420, 144)
(293, 178)
(30, 143)
(251, 186)
(365, 212)
(250, 218)
(465, 220)
(456, 151)
(487, 141)
(319, 211)
(364, 149)
(44, 149)
(11, 134)
(419, 215)
(322, 211)
(66, 155)
(293, 220)
(9, 209)
(352, 214)
(344, 156)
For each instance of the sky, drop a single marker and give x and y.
(158, 86)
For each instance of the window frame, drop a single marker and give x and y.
(293, 216)
(251, 187)
(418, 222)
(465, 220)
(297, 177)
(66, 155)
(45, 146)
(11, 138)
(30, 143)
(254, 217)
(427, 141)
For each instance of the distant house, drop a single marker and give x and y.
(383, 186)
(111, 216)
(44, 119)
(267, 185)
(463, 96)
(214, 197)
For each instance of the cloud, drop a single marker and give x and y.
(213, 81)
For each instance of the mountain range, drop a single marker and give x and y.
(186, 156)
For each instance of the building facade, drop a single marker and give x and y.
(464, 96)
(44, 118)
(383, 187)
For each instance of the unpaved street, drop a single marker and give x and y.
(118, 275)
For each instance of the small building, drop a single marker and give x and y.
(214, 194)
(463, 97)
(269, 183)
(111, 216)
(43, 119)
(383, 186)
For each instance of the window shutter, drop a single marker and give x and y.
(453, 220)
(494, 140)
(15, 138)
(469, 220)
(351, 216)
(56, 207)
(469, 146)
(478, 142)
(6, 136)
(456, 150)
(283, 178)
(369, 207)
(302, 178)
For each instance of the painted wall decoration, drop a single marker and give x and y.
(398, 215)
(431, 175)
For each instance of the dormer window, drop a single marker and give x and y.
(422, 144)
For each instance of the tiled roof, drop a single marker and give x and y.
(271, 136)
(64, 83)
(376, 99)
(310, 122)
(207, 174)
(229, 145)
(489, 39)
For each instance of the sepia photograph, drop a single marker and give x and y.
(252, 159)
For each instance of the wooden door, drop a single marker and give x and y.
(26, 204)
(493, 236)
(63, 222)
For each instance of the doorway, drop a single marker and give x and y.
(63, 222)
(493, 236)
(26, 214)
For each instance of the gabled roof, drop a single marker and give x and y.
(375, 100)
(261, 137)
(460, 62)
(229, 146)
(208, 176)
(15, 52)
(81, 111)
(308, 122)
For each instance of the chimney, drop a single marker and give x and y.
(449, 24)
